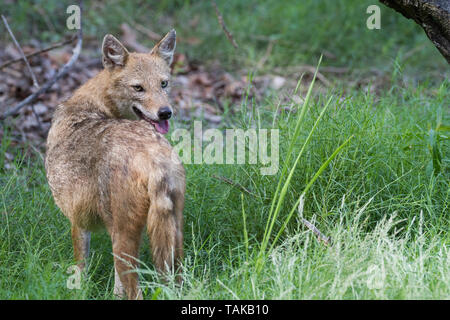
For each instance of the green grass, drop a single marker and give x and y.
(383, 200)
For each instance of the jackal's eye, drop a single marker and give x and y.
(138, 88)
(164, 83)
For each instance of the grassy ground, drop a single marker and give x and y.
(383, 200)
(380, 200)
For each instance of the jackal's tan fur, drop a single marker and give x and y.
(108, 165)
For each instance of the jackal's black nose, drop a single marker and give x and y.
(164, 113)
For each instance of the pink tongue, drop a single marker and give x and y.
(162, 126)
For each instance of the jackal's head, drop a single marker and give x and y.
(140, 82)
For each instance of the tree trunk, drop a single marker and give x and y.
(432, 15)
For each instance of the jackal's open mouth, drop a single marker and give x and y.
(162, 126)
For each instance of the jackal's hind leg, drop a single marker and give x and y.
(165, 238)
(81, 241)
(126, 250)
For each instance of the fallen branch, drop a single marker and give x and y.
(266, 55)
(149, 33)
(33, 76)
(51, 82)
(157, 37)
(320, 236)
(312, 70)
(54, 46)
(295, 69)
(234, 184)
(224, 27)
(130, 39)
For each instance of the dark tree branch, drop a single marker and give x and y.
(222, 24)
(33, 77)
(61, 72)
(53, 46)
(432, 15)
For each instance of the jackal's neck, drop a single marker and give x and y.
(94, 95)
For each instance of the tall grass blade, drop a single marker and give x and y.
(308, 186)
(291, 146)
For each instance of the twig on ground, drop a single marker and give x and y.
(130, 39)
(320, 236)
(51, 82)
(149, 33)
(224, 27)
(295, 69)
(234, 184)
(262, 38)
(266, 55)
(335, 69)
(310, 69)
(157, 37)
(53, 46)
(33, 77)
(319, 75)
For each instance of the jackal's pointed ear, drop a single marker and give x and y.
(166, 47)
(114, 53)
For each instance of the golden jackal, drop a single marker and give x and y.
(108, 163)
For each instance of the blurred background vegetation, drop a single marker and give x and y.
(299, 32)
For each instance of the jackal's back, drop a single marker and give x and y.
(95, 164)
